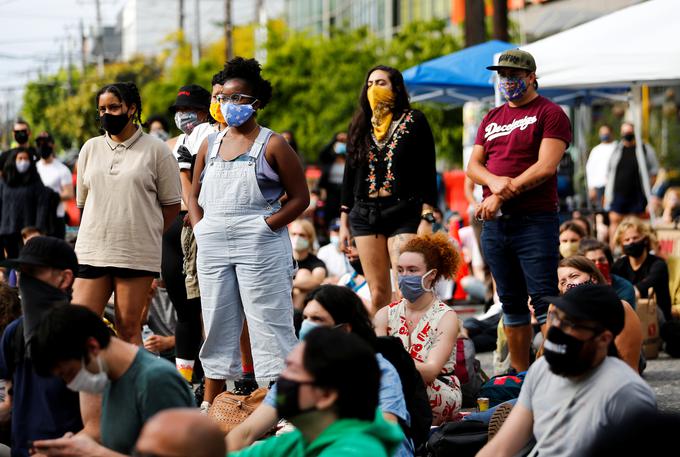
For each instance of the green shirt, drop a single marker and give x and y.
(150, 385)
(345, 437)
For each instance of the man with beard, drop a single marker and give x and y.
(575, 393)
(42, 407)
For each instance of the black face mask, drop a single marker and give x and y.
(628, 137)
(37, 298)
(356, 264)
(288, 398)
(114, 123)
(635, 249)
(21, 136)
(45, 151)
(565, 354)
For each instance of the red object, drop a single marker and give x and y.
(463, 271)
(454, 194)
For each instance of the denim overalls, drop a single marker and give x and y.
(243, 267)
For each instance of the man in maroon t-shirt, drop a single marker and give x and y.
(515, 158)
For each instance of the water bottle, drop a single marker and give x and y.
(146, 333)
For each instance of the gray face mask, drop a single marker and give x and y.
(412, 287)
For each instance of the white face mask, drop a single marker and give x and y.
(93, 383)
(23, 165)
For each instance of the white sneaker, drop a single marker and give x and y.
(205, 406)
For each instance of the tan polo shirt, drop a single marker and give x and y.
(121, 187)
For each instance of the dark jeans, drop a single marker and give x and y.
(522, 252)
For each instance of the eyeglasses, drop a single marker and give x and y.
(235, 99)
(567, 324)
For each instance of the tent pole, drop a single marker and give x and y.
(636, 107)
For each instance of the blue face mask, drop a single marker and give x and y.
(306, 327)
(512, 88)
(412, 287)
(605, 138)
(236, 115)
(340, 148)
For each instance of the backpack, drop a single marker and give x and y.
(502, 388)
(468, 371)
(415, 394)
(460, 439)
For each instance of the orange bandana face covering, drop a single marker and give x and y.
(216, 113)
(381, 100)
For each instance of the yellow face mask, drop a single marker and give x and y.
(216, 113)
(381, 100)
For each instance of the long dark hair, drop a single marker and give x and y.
(15, 179)
(345, 307)
(360, 128)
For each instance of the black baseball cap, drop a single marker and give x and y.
(593, 302)
(191, 96)
(45, 251)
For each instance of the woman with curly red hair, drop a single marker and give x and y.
(426, 326)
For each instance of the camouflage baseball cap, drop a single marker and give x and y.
(515, 58)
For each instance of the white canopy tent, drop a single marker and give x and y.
(626, 49)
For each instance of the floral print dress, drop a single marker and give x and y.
(444, 392)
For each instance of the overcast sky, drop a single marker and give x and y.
(34, 32)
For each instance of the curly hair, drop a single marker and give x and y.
(438, 252)
(126, 92)
(360, 128)
(10, 305)
(642, 228)
(250, 71)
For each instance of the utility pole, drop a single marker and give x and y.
(229, 40)
(83, 48)
(500, 20)
(181, 15)
(69, 66)
(100, 39)
(475, 32)
(260, 32)
(196, 50)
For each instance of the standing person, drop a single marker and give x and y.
(22, 134)
(426, 326)
(515, 158)
(311, 271)
(624, 194)
(574, 394)
(639, 266)
(245, 260)
(129, 190)
(597, 166)
(24, 201)
(191, 113)
(332, 159)
(75, 344)
(55, 175)
(390, 184)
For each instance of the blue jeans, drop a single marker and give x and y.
(522, 252)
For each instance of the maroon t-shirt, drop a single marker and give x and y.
(511, 138)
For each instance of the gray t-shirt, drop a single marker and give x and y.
(599, 402)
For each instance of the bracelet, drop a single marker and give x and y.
(344, 209)
(426, 212)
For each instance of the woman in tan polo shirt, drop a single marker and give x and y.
(129, 191)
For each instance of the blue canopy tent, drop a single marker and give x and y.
(456, 78)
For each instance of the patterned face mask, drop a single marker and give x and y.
(236, 115)
(512, 88)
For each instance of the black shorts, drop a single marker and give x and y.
(90, 272)
(386, 216)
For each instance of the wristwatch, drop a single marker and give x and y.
(428, 216)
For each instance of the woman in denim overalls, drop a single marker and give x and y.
(245, 264)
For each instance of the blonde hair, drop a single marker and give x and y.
(641, 227)
(309, 230)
